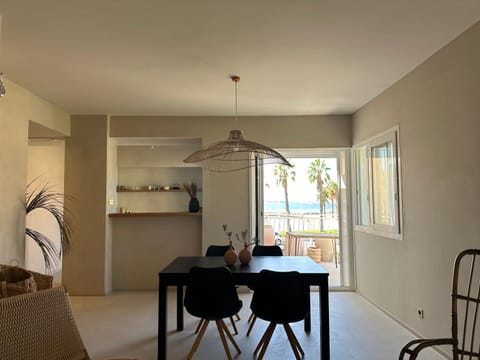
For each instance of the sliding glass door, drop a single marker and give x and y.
(305, 209)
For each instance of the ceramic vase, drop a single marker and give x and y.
(230, 255)
(194, 205)
(245, 255)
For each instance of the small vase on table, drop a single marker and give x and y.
(245, 255)
(230, 255)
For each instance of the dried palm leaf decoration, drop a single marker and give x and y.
(44, 198)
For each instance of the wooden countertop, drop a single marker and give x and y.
(152, 214)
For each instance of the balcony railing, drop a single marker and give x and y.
(301, 222)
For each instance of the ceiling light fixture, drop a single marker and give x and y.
(235, 153)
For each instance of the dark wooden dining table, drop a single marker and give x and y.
(177, 274)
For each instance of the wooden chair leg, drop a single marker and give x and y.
(267, 341)
(251, 316)
(237, 316)
(297, 343)
(262, 339)
(232, 340)
(198, 339)
(200, 323)
(233, 325)
(224, 341)
(250, 327)
(293, 341)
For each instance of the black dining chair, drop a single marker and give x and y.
(267, 250)
(218, 250)
(212, 296)
(261, 250)
(280, 298)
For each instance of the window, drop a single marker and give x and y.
(377, 185)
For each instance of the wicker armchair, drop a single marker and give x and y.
(465, 339)
(39, 326)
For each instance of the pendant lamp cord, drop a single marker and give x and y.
(236, 107)
(236, 79)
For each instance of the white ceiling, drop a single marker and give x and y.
(154, 57)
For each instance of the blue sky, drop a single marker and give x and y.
(301, 190)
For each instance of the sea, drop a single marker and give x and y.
(295, 207)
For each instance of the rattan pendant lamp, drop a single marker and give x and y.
(235, 153)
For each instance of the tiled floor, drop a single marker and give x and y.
(124, 324)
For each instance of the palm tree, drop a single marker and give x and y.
(332, 190)
(282, 174)
(318, 174)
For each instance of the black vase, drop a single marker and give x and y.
(193, 205)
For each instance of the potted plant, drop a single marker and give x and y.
(46, 199)
(191, 189)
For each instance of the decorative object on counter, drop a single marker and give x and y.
(191, 189)
(44, 198)
(235, 153)
(230, 255)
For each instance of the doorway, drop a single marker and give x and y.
(306, 210)
(45, 167)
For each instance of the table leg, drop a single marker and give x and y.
(162, 322)
(179, 307)
(324, 321)
(307, 323)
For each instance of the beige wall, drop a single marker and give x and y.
(145, 245)
(111, 201)
(225, 196)
(84, 269)
(437, 107)
(16, 109)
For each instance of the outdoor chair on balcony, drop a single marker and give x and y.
(261, 250)
(39, 326)
(212, 296)
(465, 339)
(280, 298)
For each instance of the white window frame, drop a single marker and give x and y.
(395, 230)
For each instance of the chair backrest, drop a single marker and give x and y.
(216, 250)
(270, 250)
(281, 297)
(38, 326)
(268, 235)
(211, 293)
(466, 305)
